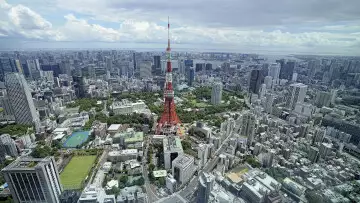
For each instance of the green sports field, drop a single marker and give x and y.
(76, 171)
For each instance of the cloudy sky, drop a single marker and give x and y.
(265, 26)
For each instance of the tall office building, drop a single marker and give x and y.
(191, 76)
(313, 154)
(108, 63)
(7, 65)
(21, 100)
(334, 70)
(172, 149)
(18, 66)
(208, 67)
(268, 82)
(33, 180)
(269, 102)
(183, 168)
(34, 69)
(274, 71)
(203, 153)
(297, 94)
(286, 70)
(157, 65)
(7, 147)
(216, 93)
(65, 67)
(314, 67)
(79, 86)
(256, 79)
(206, 183)
(322, 99)
(134, 62)
(145, 69)
(5, 104)
(199, 67)
(248, 126)
(188, 63)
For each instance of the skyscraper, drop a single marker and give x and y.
(256, 79)
(145, 69)
(191, 77)
(79, 86)
(297, 94)
(34, 69)
(108, 63)
(314, 67)
(206, 183)
(5, 104)
(134, 61)
(287, 70)
(157, 65)
(7, 147)
(21, 100)
(274, 71)
(33, 180)
(248, 126)
(7, 65)
(65, 67)
(216, 93)
(183, 168)
(188, 63)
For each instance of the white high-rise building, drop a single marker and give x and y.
(203, 153)
(34, 69)
(145, 69)
(297, 94)
(7, 147)
(172, 149)
(269, 101)
(183, 168)
(262, 91)
(248, 126)
(274, 71)
(21, 100)
(216, 93)
(33, 180)
(268, 80)
(206, 183)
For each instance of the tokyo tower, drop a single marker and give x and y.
(169, 121)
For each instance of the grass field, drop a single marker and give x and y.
(76, 171)
(198, 104)
(77, 138)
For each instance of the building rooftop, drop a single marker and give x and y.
(25, 163)
(183, 161)
(268, 181)
(123, 152)
(160, 173)
(172, 144)
(131, 137)
(114, 127)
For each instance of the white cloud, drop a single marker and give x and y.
(138, 25)
(25, 18)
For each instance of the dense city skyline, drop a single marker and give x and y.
(227, 102)
(314, 27)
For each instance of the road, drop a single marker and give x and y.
(188, 192)
(101, 162)
(152, 197)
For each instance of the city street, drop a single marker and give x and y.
(152, 197)
(188, 192)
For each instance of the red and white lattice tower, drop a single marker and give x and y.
(169, 120)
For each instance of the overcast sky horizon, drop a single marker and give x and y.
(277, 26)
